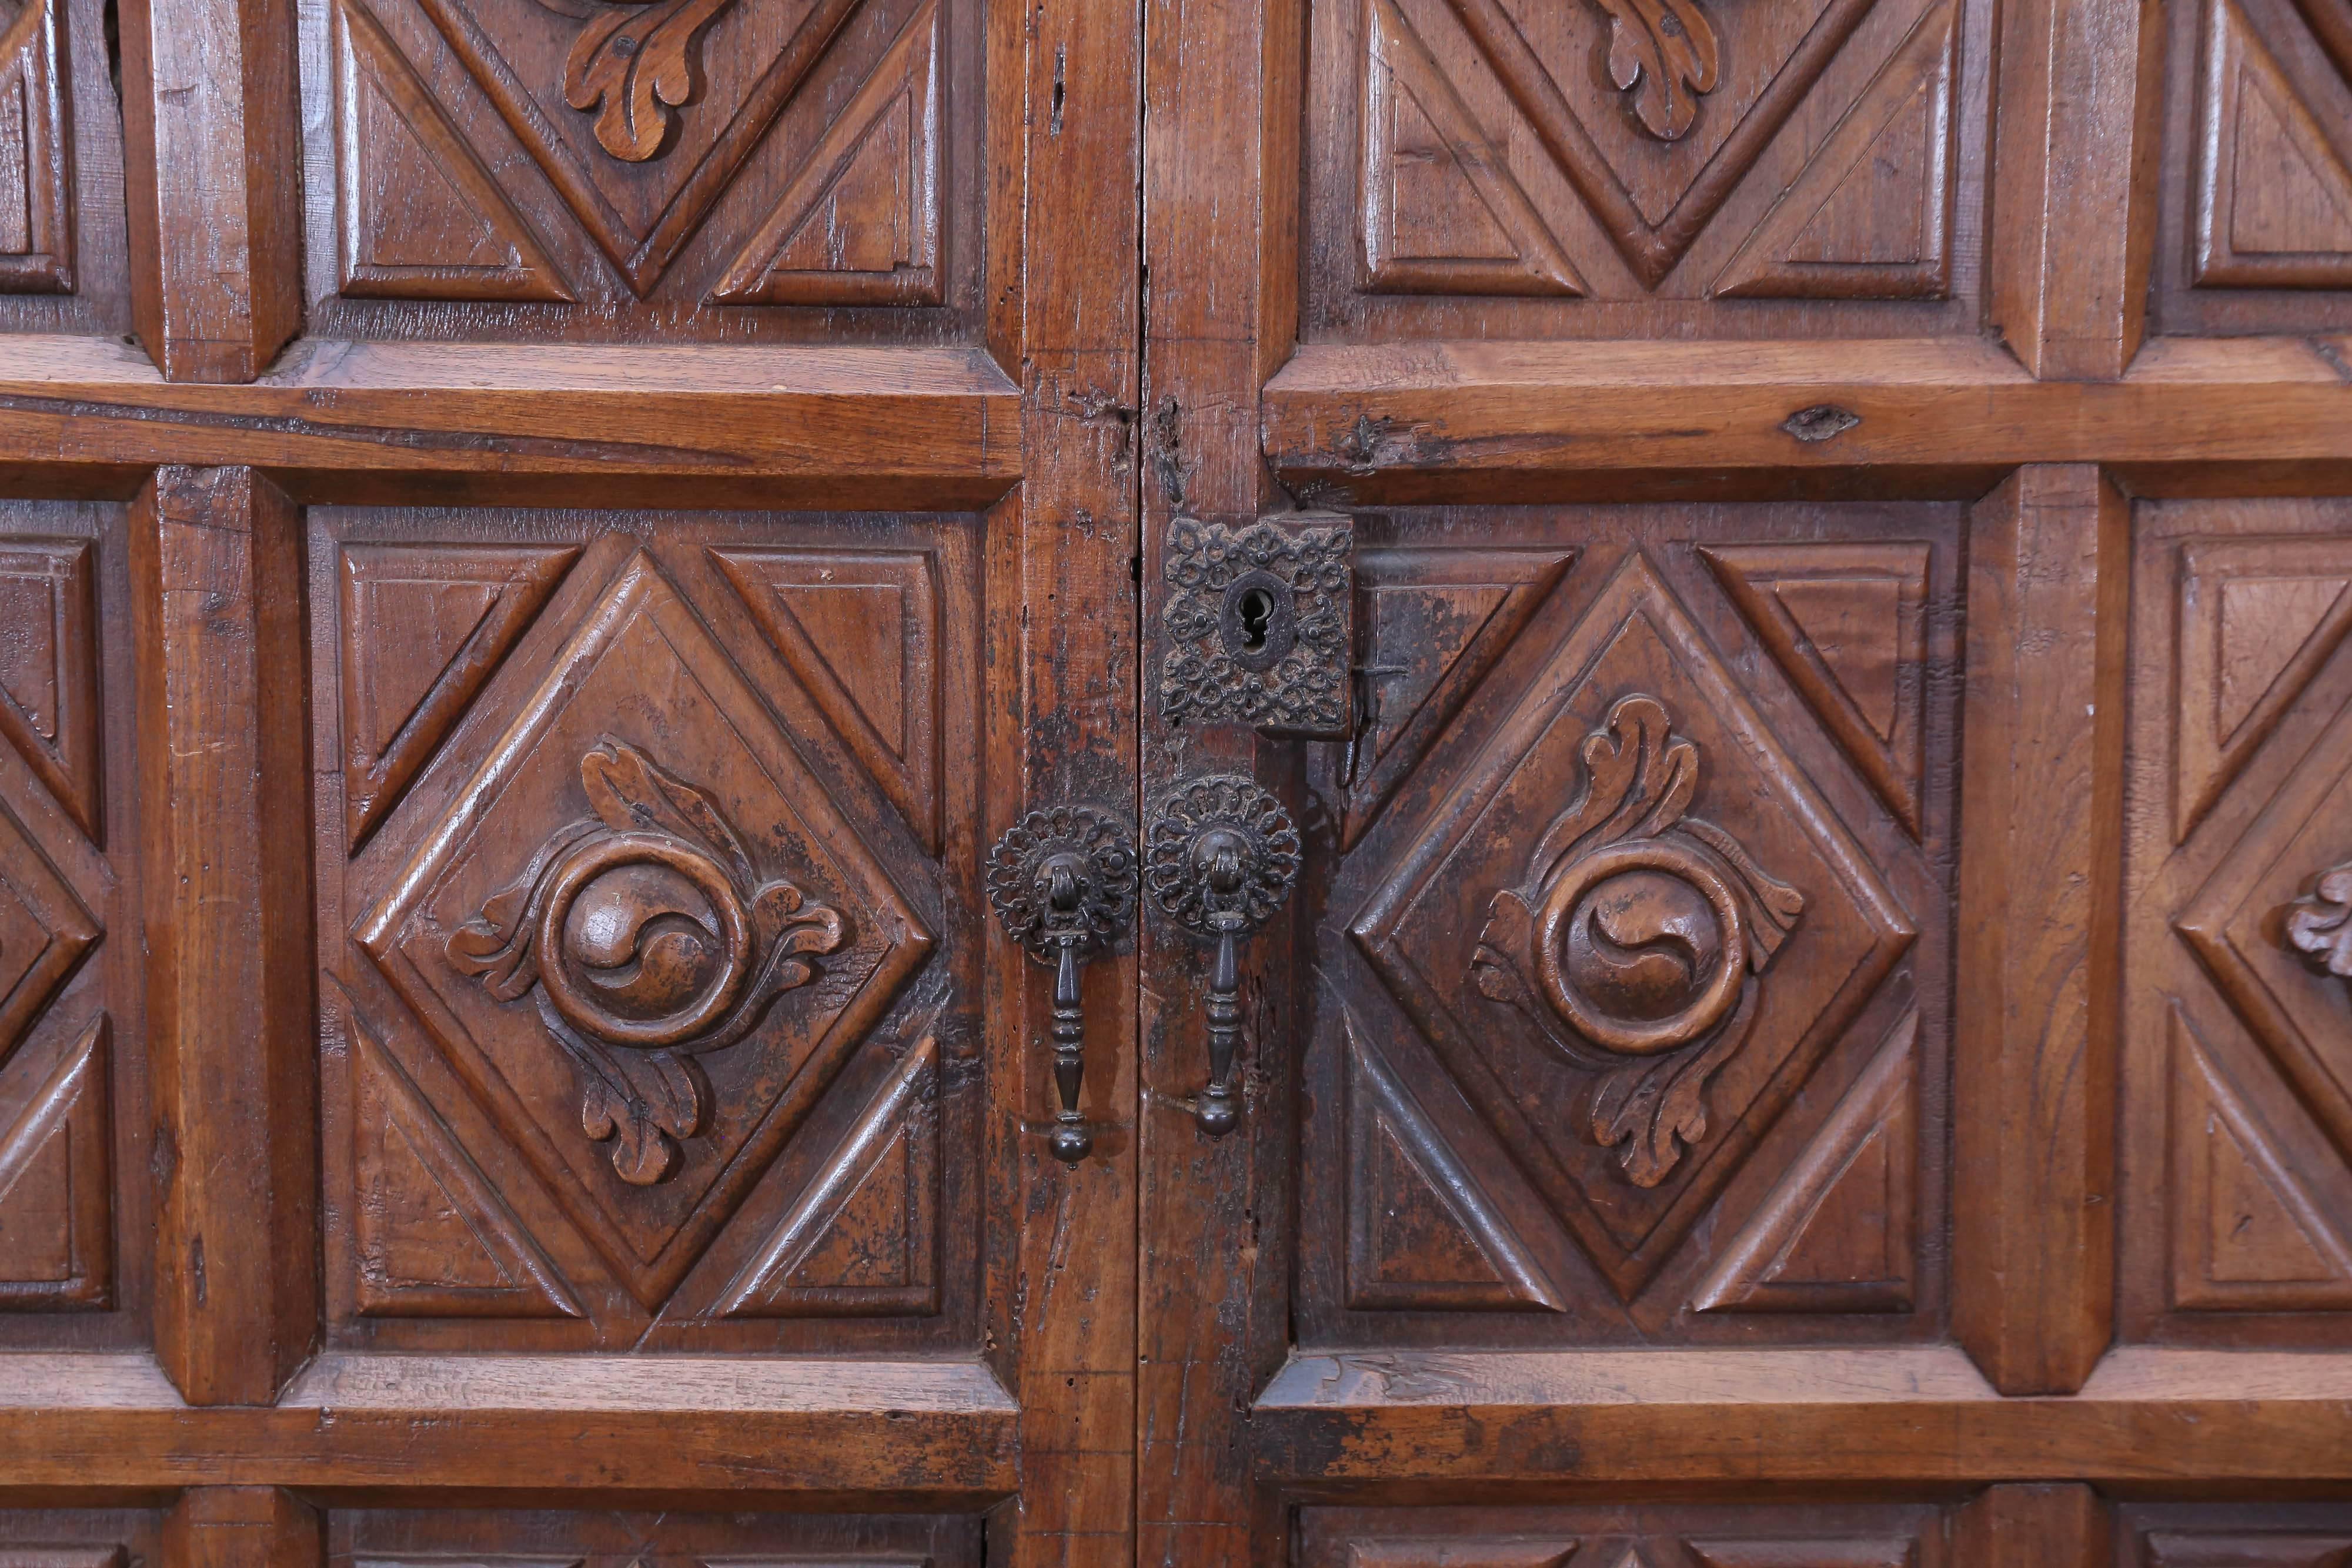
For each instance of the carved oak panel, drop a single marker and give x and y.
(2256, 209)
(2238, 1070)
(569, 168)
(445, 1538)
(1637, 915)
(1643, 1535)
(1615, 168)
(649, 927)
(72, 1101)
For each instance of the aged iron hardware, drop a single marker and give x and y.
(1261, 624)
(1222, 856)
(1062, 881)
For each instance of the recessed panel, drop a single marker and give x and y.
(469, 1538)
(2256, 225)
(72, 1060)
(720, 170)
(1634, 1023)
(648, 942)
(1601, 169)
(1694, 1534)
(2238, 1040)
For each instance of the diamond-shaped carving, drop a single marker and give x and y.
(1654, 120)
(1712, 979)
(640, 114)
(2239, 925)
(44, 931)
(677, 860)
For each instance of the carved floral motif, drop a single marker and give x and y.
(647, 937)
(632, 65)
(2319, 926)
(1665, 53)
(1635, 941)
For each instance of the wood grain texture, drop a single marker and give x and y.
(1428, 1425)
(1061, 729)
(2073, 172)
(859, 426)
(215, 556)
(243, 1527)
(211, 123)
(2033, 1248)
(1222, 209)
(1532, 421)
(2035, 1526)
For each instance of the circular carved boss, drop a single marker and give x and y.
(646, 942)
(1641, 945)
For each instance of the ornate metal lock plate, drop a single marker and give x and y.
(1260, 625)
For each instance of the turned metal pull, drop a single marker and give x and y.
(1222, 855)
(1062, 881)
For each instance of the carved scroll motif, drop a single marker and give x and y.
(648, 937)
(1635, 942)
(632, 66)
(2319, 926)
(1664, 52)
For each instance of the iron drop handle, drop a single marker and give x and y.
(1063, 882)
(1221, 857)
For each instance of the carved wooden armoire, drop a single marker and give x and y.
(1171, 783)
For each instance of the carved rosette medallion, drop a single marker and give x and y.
(2319, 924)
(647, 936)
(1635, 942)
(1288, 673)
(1063, 877)
(1666, 55)
(632, 65)
(1226, 812)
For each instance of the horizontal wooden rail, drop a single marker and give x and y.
(1429, 423)
(929, 1433)
(862, 427)
(1388, 1423)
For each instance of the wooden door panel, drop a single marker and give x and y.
(1689, 1535)
(1757, 1166)
(62, 266)
(72, 1048)
(792, 701)
(503, 168)
(1489, 169)
(2210, 1534)
(79, 1537)
(2236, 1109)
(2256, 225)
(418, 1538)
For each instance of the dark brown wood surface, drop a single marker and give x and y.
(561, 1029)
(541, 541)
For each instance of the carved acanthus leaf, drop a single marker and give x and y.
(1634, 944)
(648, 937)
(1664, 52)
(2319, 926)
(632, 65)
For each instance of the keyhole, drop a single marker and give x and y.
(1256, 607)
